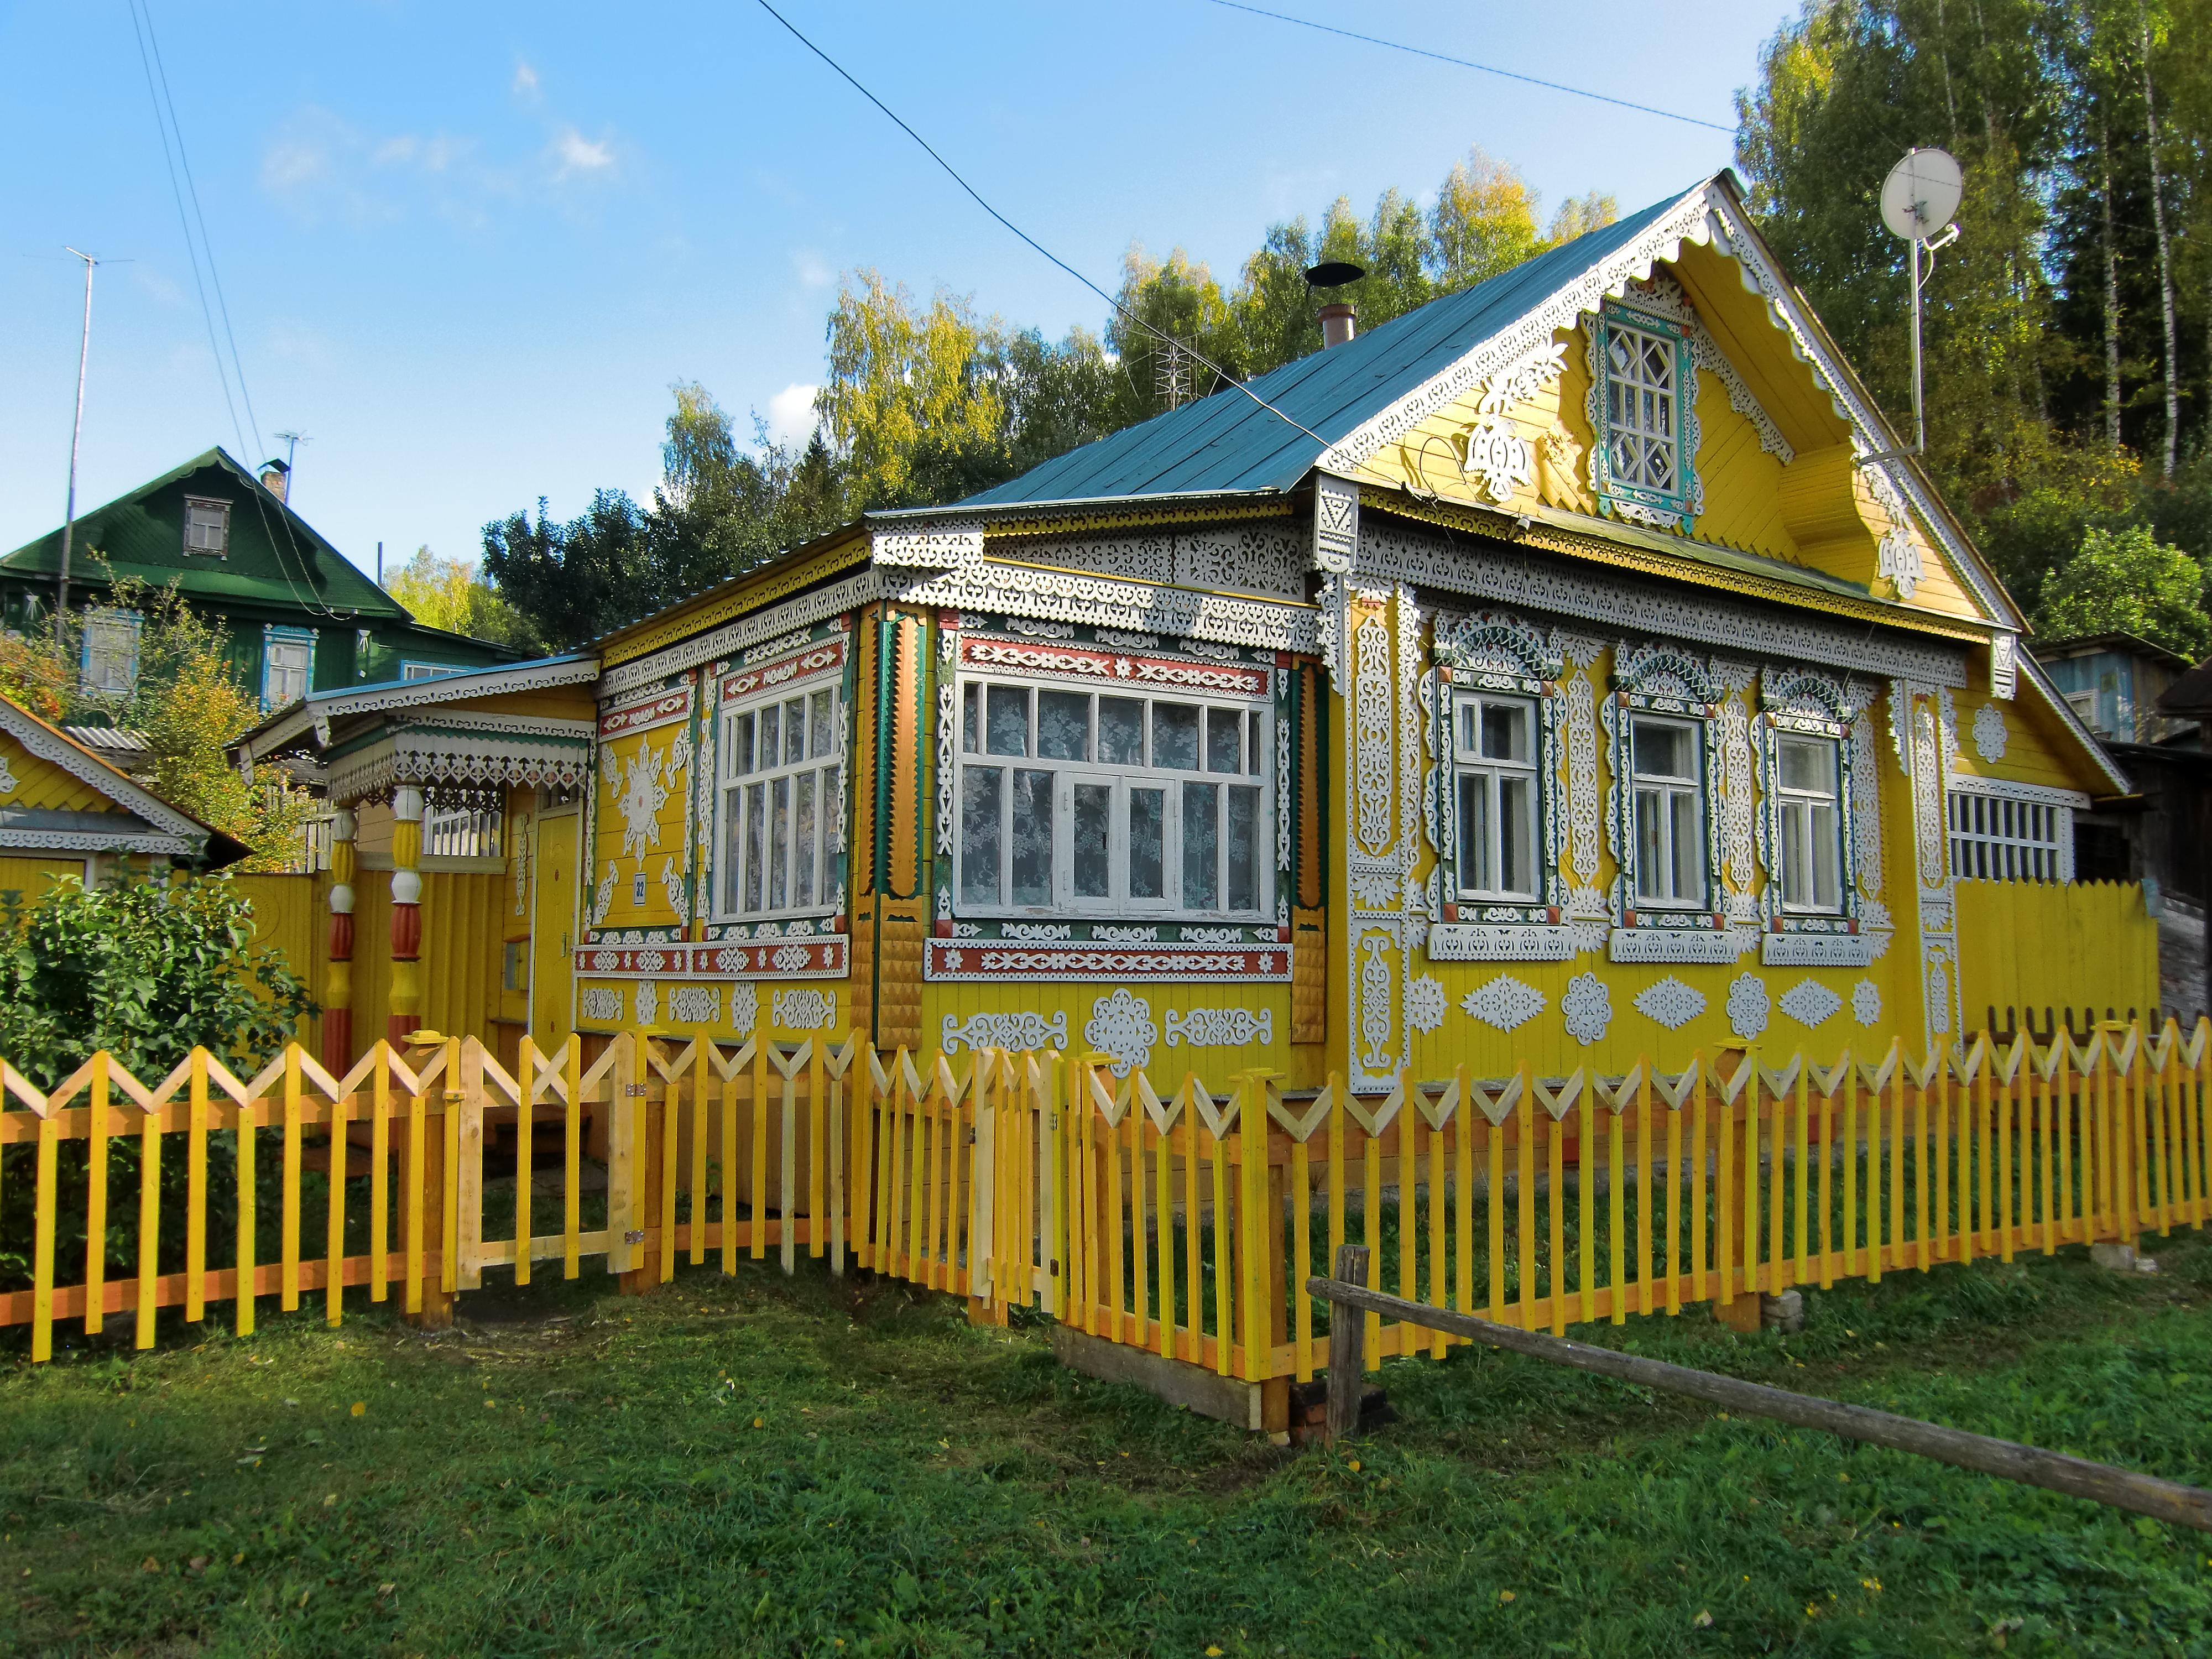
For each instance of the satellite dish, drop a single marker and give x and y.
(1334, 274)
(1921, 194)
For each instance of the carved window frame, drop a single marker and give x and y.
(822, 658)
(1496, 653)
(1666, 681)
(1809, 704)
(1664, 509)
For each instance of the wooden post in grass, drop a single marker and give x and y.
(1347, 1345)
(2078, 1477)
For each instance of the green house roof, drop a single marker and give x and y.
(1228, 442)
(275, 558)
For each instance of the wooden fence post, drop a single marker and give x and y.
(1347, 1346)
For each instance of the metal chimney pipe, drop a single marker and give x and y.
(1338, 323)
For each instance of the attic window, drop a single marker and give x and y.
(207, 525)
(1642, 387)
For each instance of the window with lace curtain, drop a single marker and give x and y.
(1084, 802)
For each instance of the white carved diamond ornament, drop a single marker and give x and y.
(1588, 1006)
(1671, 1003)
(1810, 1002)
(1991, 737)
(1504, 1003)
(640, 800)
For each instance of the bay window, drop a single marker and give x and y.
(1105, 804)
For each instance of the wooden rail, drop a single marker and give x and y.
(2078, 1477)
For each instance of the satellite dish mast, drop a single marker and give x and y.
(1917, 200)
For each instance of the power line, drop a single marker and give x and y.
(165, 120)
(1486, 69)
(954, 174)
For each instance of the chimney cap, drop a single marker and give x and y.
(1334, 273)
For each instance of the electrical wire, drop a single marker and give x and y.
(1126, 314)
(165, 120)
(1486, 68)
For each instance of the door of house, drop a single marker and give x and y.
(552, 931)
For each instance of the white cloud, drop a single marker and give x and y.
(526, 81)
(790, 414)
(579, 155)
(812, 271)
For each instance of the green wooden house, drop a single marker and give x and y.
(300, 616)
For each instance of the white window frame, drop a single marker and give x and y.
(1994, 830)
(122, 629)
(1804, 806)
(222, 536)
(427, 670)
(1635, 497)
(1693, 786)
(826, 763)
(272, 637)
(1254, 719)
(1469, 764)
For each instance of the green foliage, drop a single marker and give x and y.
(145, 968)
(916, 1485)
(451, 594)
(2126, 582)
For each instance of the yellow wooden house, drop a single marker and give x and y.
(1572, 668)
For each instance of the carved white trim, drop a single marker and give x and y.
(2004, 665)
(1071, 596)
(1749, 1007)
(166, 830)
(1581, 765)
(1707, 945)
(1866, 808)
(937, 544)
(646, 996)
(602, 1003)
(1371, 733)
(1504, 1003)
(1425, 1003)
(1019, 1031)
(1460, 941)
(1968, 783)
(1586, 1008)
(1737, 802)
(1860, 949)
(1264, 557)
(807, 1009)
(744, 1006)
(1220, 1027)
(1122, 1025)
(1336, 521)
(1866, 1002)
(638, 801)
(734, 638)
(1545, 582)
(1992, 737)
(695, 1005)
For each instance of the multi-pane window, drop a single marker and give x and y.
(1808, 816)
(207, 525)
(287, 665)
(1103, 804)
(1642, 437)
(779, 773)
(1996, 837)
(110, 652)
(1669, 806)
(1494, 764)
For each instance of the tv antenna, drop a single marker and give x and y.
(292, 441)
(77, 437)
(1917, 200)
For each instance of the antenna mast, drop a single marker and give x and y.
(77, 438)
(292, 443)
(1920, 195)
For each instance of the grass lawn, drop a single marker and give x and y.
(808, 1466)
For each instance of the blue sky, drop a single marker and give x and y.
(466, 249)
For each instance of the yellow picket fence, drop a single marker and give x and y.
(1179, 1223)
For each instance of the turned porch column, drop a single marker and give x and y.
(407, 1011)
(337, 983)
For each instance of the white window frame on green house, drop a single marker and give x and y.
(207, 526)
(277, 673)
(772, 867)
(108, 656)
(1100, 776)
(427, 670)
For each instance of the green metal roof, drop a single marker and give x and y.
(274, 556)
(1229, 442)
